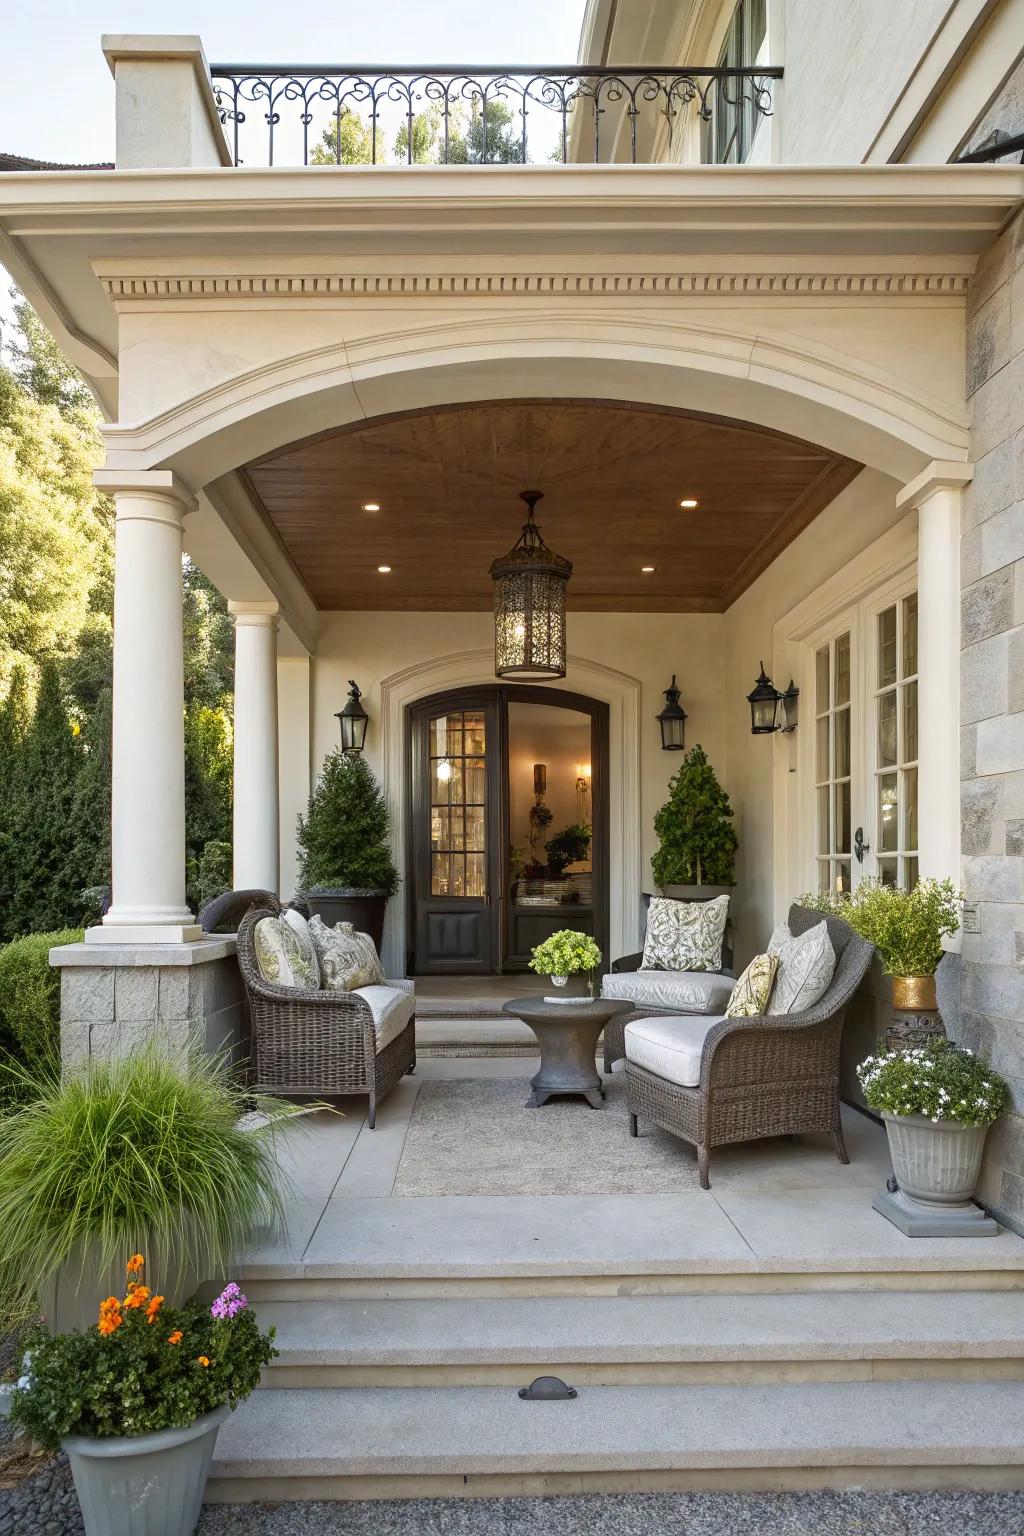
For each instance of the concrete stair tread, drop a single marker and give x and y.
(788, 1326)
(423, 1430)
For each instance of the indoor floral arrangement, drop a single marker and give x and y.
(906, 928)
(696, 855)
(140, 1152)
(938, 1101)
(345, 866)
(137, 1399)
(566, 953)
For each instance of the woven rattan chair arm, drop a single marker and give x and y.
(231, 907)
(325, 999)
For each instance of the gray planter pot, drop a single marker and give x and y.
(935, 1164)
(695, 892)
(144, 1485)
(363, 909)
(70, 1299)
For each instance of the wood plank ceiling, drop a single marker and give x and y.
(613, 475)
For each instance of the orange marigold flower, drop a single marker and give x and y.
(175, 1337)
(154, 1308)
(137, 1296)
(135, 1264)
(204, 1360)
(109, 1323)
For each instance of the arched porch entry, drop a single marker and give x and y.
(507, 833)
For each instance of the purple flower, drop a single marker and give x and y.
(229, 1303)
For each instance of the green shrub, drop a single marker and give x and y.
(344, 838)
(143, 1367)
(565, 953)
(939, 1079)
(696, 838)
(906, 927)
(209, 875)
(30, 996)
(567, 847)
(135, 1153)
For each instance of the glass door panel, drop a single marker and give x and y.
(833, 763)
(896, 743)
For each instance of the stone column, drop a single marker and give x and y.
(256, 838)
(936, 496)
(148, 811)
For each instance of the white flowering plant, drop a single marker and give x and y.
(565, 953)
(939, 1079)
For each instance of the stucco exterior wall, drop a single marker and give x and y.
(992, 691)
(842, 78)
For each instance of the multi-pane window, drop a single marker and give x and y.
(458, 804)
(895, 766)
(729, 133)
(833, 763)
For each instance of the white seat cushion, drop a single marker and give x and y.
(670, 1048)
(681, 991)
(392, 1008)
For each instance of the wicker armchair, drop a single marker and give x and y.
(614, 1038)
(318, 1042)
(772, 1075)
(231, 907)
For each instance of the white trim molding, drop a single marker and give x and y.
(618, 690)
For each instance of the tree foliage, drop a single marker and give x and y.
(697, 843)
(344, 838)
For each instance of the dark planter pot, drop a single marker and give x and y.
(363, 909)
(695, 892)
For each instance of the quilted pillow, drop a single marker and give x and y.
(807, 963)
(685, 935)
(347, 959)
(751, 993)
(282, 955)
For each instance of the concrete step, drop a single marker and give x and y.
(406, 1442)
(647, 1340)
(473, 1034)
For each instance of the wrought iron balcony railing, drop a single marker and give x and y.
(305, 114)
(998, 146)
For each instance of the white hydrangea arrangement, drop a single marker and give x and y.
(565, 953)
(939, 1079)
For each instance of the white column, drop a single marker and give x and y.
(148, 810)
(936, 494)
(256, 843)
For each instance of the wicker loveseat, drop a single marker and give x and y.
(325, 1042)
(771, 1075)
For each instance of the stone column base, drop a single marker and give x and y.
(116, 997)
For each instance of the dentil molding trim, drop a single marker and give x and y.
(126, 289)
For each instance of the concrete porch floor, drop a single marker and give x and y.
(775, 1206)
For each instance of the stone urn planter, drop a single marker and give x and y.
(935, 1166)
(363, 908)
(144, 1485)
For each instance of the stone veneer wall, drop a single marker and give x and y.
(113, 999)
(992, 700)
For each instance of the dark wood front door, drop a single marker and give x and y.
(456, 820)
(470, 911)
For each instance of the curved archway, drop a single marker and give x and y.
(461, 669)
(790, 385)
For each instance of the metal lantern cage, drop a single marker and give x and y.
(529, 605)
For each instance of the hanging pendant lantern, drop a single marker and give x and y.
(529, 605)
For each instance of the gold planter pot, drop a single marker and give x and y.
(914, 994)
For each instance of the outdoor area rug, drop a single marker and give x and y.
(474, 1136)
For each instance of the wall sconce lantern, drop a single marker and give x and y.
(771, 710)
(672, 720)
(540, 778)
(353, 720)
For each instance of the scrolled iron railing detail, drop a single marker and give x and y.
(457, 115)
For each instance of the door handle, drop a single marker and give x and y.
(860, 847)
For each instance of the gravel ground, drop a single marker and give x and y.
(45, 1505)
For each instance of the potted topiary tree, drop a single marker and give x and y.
(345, 860)
(696, 855)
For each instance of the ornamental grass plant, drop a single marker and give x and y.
(137, 1151)
(142, 1367)
(939, 1079)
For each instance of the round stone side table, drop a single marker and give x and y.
(567, 1034)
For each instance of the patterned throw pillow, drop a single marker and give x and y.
(347, 959)
(751, 993)
(284, 956)
(685, 935)
(807, 963)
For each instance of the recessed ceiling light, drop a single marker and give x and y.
(371, 506)
(689, 501)
(647, 569)
(384, 569)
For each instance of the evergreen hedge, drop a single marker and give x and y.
(344, 838)
(30, 997)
